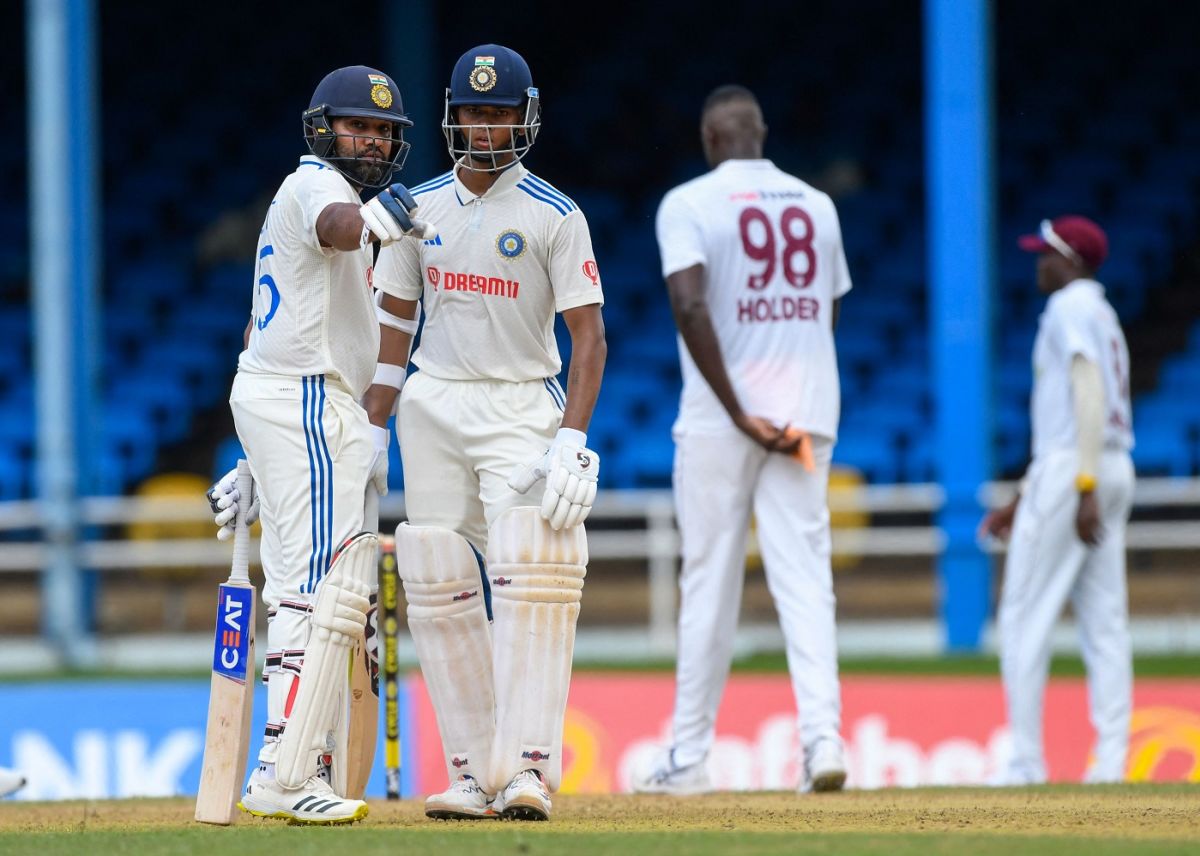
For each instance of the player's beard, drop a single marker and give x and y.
(370, 173)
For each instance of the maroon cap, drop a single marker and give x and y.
(1077, 238)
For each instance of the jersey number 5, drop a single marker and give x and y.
(759, 242)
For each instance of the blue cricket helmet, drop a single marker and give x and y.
(357, 90)
(495, 76)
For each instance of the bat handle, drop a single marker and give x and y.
(371, 510)
(240, 569)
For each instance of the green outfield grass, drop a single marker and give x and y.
(1044, 821)
(530, 843)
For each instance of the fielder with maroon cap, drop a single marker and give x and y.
(1067, 522)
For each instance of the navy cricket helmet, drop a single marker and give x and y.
(495, 76)
(357, 90)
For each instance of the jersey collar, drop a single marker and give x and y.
(506, 182)
(746, 163)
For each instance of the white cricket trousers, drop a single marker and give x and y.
(460, 440)
(1047, 564)
(719, 479)
(310, 452)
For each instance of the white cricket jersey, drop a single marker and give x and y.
(1078, 320)
(313, 310)
(771, 247)
(502, 264)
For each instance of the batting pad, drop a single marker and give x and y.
(447, 617)
(537, 580)
(338, 618)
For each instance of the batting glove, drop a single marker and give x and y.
(389, 217)
(379, 465)
(223, 499)
(571, 471)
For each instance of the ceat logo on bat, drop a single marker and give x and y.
(434, 275)
(591, 271)
(232, 643)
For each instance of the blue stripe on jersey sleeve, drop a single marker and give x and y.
(426, 188)
(436, 180)
(551, 190)
(537, 194)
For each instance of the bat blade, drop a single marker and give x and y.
(230, 704)
(364, 721)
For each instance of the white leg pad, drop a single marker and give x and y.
(447, 617)
(338, 618)
(537, 580)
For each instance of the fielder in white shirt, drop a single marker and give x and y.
(1067, 523)
(482, 421)
(755, 270)
(311, 349)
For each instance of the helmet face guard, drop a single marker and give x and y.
(359, 168)
(367, 93)
(521, 139)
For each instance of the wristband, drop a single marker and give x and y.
(387, 374)
(1085, 483)
(381, 436)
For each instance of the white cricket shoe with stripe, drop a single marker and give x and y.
(664, 777)
(824, 768)
(465, 799)
(10, 781)
(524, 798)
(313, 803)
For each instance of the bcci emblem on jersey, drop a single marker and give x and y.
(510, 244)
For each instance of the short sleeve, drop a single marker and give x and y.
(574, 275)
(317, 188)
(1070, 328)
(398, 270)
(680, 238)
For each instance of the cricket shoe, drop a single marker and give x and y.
(664, 777)
(824, 768)
(524, 798)
(463, 800)
(313, 803)
(10, 781)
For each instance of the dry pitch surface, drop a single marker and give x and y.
(1055, 819)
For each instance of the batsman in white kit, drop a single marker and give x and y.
(1067, 522)
(755, 271)
(311, 350)
(497, 474)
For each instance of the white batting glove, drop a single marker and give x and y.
(389, 216)
(379, 465)
(571, 471)
(223, 498)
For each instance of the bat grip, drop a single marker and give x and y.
(371, 510)
(240, 569)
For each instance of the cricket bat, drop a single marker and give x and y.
(231, 696)
(363, 731)
(389, 626)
